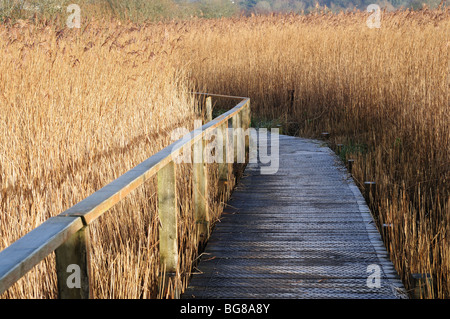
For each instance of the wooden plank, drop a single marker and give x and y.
(73, 266)
(17, 259)
(295, 241)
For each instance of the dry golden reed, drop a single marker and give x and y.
(78, 108)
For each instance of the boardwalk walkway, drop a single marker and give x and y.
(304, 232)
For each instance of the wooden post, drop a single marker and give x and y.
(230, 139)
(291, 99)
(350, 165)
(167, 212)
(168, 230)
(339, 148)
(235, 123)
(231, 154)
(420, 284)
(208, 109)
(370, 189)
(73, 266)
(246, 125)
(249, 114)
(238, 142)
(200, 189)
(223, 165)
(385, 230)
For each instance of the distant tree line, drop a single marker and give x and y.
(299, 6)
(139, 10)
(230, 7)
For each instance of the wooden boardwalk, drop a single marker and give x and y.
(304, 232)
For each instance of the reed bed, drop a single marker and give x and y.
(382, 92)
(80, 107)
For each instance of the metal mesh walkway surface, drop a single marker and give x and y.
(303, 232)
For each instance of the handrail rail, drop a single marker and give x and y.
(221, 95)
(67, 233)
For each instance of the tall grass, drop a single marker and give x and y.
(80, 107)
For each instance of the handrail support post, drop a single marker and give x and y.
(168, 229)
(200, 191)
(73, 266)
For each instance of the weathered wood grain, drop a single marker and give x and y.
(167, 212)
(73, 266)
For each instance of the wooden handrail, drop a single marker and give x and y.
(68, 233)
